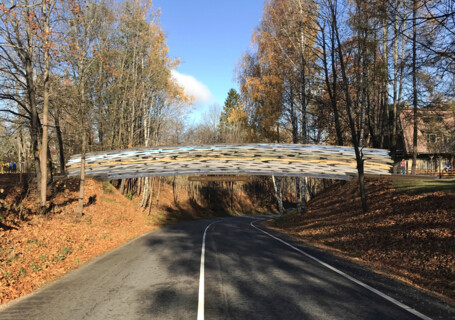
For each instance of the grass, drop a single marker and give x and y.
(158, 217)
(61, 255)
(107, 187)
(287, 218)
(36, 268)
(35, 242)
(108, 200)
(422, 185)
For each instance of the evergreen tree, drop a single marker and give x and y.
(232, 100)
(231, 104)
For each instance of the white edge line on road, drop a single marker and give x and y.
(381, 294)
(200, 307)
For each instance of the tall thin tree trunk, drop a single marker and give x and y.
(335, 90)
(364, 85)
(384, 81)
(414, 85)
(301, 195)
(402, 59)
(45, 123)
(100, 106)
(34, 129)
(60, 143)
(358, 155)
(304, 122)
(331, 90)
(279, 195)
(145, 193)
(80, 204)
(43, 151)
(122, 186)
(393, 144)
(294, 120)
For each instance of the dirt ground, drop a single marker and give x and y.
(409, 236)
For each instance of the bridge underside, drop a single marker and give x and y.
(247, 159)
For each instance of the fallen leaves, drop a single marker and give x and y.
(45, 247)
(409, 236)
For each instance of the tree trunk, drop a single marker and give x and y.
(294, 120)
(332, 93)
(122, 186)
(393, 144)
(45, 124)
(60, 143)
(174, 191)
(414, 85)
(279, 196)
(34, 124)
(80, 204)
(385, 92)
(364, 92)
(355, 141)
(100, 106)
(304, 124)
(145, 193)
(301, 195)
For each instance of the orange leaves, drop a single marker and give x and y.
(411, 236)
(76, 9)
(45, 247)
(237, 115)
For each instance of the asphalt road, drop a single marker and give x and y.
(248, 272)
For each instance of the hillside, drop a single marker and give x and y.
(36, 249)
(409, 231)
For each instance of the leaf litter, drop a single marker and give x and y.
(408, 236)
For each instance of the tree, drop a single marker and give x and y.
(277, 80)
(398, 67)
(233, 119)
(82, 28)
(414, 85)
(354, 133)
(331, 82)
(27, 33)
(47, 9)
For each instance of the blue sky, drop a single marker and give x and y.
(209, 36)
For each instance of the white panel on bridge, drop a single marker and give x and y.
(251, 159)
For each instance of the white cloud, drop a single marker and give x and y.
(194, 88)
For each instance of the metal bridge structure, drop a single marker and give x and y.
(331, 162)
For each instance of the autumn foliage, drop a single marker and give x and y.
(408, 236)
(36, 249)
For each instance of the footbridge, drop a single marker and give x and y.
(247, 159)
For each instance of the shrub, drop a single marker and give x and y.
(107, 187)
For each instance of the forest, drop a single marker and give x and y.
(79, 76)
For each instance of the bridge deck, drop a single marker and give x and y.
(250, 159)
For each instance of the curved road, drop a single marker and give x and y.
(224, 268)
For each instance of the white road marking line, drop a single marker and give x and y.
(200, 308)
(381, 294)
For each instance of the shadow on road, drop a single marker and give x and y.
(248, 275)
